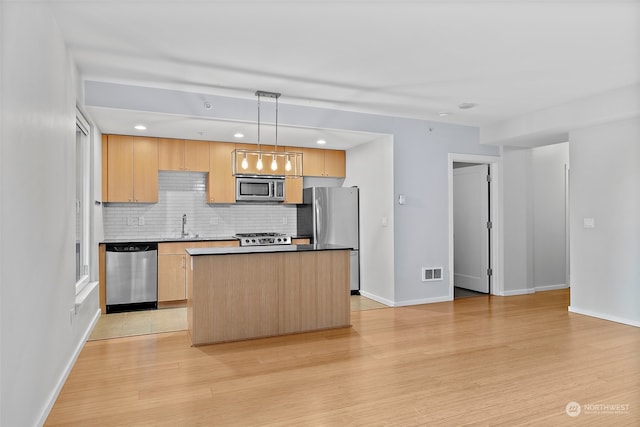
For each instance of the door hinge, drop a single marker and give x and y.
(489, 271)
(489, 225)
(488, 178)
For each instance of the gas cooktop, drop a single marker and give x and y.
(263, 239)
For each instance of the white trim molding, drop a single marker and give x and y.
(497, 256)
(603, 316)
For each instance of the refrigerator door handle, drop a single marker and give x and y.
(318, 225)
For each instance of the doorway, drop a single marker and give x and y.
(473, 224)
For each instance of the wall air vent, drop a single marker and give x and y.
(430, 274)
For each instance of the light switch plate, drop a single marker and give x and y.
(130, 220)
(589, 223)
(140, 220)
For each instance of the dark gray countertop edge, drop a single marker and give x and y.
(264, 249)
(178, 239)
(170, 240)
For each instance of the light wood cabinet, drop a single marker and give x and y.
(301, 241)
(319, 162)
(196, 155)
(240, 296)
(335, 163)
(172, 267)
(131, 169)
(183, 155)
(222, 183)
(292, 190)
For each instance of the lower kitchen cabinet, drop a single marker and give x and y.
(171, 277)
(172, 267)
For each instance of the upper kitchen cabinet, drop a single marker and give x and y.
(131, 171)
(293, 190)
(318, 162)
(222, 183)
(183, 155)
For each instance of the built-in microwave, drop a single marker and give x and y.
(259, 189)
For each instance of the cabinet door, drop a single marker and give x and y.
(222, 183)
(171, 154)
(171, 278)
(312, 162)
(293, 190)
(196, 156)
(145, 170)
(105, 169)
(334, 163)
(120, 168)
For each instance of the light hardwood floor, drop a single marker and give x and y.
(486, 361)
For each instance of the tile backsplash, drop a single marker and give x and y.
(186, 193)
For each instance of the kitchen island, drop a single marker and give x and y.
(239, 293)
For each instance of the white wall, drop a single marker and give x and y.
(369, 169)
(549, 215)
(605, 186)
(517, 227)
(41, 331)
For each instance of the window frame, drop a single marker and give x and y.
(82, 126)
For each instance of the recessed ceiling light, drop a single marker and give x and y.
(238, 135)
(321, 142)
(443, 114)
(466, 105)
(207, 105)
(140, 127)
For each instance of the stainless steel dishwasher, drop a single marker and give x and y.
(132, 276)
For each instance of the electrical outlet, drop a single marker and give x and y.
(140, 220)
(130, 220)
(284, 220)
(213, 220)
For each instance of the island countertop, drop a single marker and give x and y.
(264, 249)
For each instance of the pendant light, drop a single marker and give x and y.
(259, 163)
(245, 163)
(287, 165)
(274, 163)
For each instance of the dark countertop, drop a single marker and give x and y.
(236, 250)
(170, 239)
(183, 239)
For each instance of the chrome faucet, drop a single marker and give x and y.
(184, 222)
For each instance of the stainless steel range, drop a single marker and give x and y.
(263, 239)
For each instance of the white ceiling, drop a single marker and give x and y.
(398, 58)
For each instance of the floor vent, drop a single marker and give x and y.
(432, 273)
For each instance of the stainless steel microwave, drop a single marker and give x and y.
(259, 189)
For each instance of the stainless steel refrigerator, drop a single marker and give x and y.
(330, 215)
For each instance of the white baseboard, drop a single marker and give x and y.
(423, 301)
(551, 287)
(518, 292)
(67, 370)
(604, 316)
(376, 298)
(405, 303)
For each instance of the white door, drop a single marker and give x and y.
(470, 229)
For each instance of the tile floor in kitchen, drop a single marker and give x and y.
(172, 319)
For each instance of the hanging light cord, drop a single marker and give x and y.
(258, 122)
